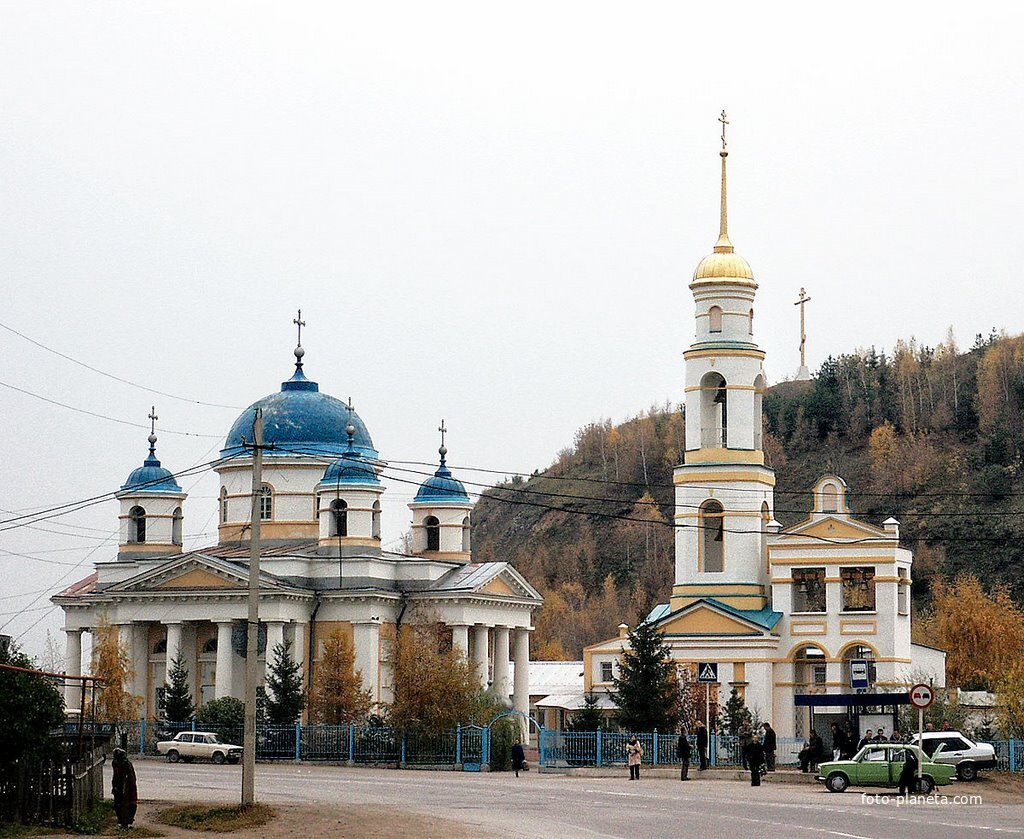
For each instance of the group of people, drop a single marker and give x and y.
(844, 744)
(757, 752)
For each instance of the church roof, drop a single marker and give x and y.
(765, 618)
(441, 487)
(151, 476)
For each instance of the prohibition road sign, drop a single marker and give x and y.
(921, 696)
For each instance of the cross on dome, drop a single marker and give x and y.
(152, 430)
(299, 352)
(443, 450)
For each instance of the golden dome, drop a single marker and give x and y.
(723, 265)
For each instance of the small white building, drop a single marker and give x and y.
(322, 567)
(782, 611)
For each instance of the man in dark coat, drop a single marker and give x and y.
(754, 753)
(812, 753)
(124, 788)
(683, 753)
(908, 777)
(869, 737)
(769, 744)
(702, 745)
(518, 758)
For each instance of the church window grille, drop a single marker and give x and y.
(176, 522)
(376, 520)
(858, 589)
(137, 525)
(433, 528)
(339, 518)
(266, 502)
(606, 671)
(808, 589)
(715, 319)
(712, 538)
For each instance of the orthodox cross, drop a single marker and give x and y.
(152, 420)
(724, 122)
(299, 322)
(804, 299)
(443, 431)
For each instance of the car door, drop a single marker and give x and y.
(956, 750)
(873, 768)
(897, 760)
(183, 743)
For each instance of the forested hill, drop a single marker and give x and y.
(933, 436)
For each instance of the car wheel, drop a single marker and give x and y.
(173, 756)
(218, 758)
(925, 785)
(837, 782)
(967, 771)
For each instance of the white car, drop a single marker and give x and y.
(189, 745)
(967, 755)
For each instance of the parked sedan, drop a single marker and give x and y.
(958, 750)
(205, 745)
(880, 765)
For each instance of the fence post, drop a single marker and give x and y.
(599, 738)
(458, 744)
(655, 761)
(351, 742)
(486, 735)
(142, 736)
(1013, 755)
(405, 736)
(298, 741)
(714, 748)
(193, 722)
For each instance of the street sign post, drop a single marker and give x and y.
(859, 674)
(707, 675)
(921, 696)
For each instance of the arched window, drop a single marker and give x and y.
(712, 528)
(465, 535)
(375, 532)
(266, 502)
(809, 669)
(750, 322)
(859, 651)
(176, 526)
(714, 419)
(758, 412)
(317, 501)
(223, 505)
(339, 518)
(137, 525)
(433, 528)
(830, 498)
(715, 319)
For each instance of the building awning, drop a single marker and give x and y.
(575, 702)
(849, 700)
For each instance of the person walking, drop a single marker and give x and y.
(769, 743)
(908, 777)
(745, 736)
(702, 745)
(634, 754)
(838, 741)
(124, 788)
(683, 753)
(518, 758)
(754, 754)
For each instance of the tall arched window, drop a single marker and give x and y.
(830, 498)
(266, 502)
(712, 528)
(223, 504)
(465, 535)
(137, 525)
(715, 319)
(714, 418)
(375, 532)
(339, 518)
(750, 322)
(176, 526)
(433, 528)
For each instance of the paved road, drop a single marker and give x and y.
(543, 806)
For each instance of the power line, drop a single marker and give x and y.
(41, 346)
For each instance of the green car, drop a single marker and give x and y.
(880, 765)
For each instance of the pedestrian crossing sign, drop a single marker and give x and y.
(707, 673)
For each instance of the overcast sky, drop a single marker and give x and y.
(487, 212)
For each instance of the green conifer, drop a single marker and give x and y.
(285, 698)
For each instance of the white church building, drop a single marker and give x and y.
(322, 566)
(782, 611)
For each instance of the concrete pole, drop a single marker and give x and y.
(225, 675)
(481, 654)
(73, 667)
(253, 618)
(501, 661)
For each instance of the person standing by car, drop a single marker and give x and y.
(123, 788)
(702, 745)
(683, 753)
(634, 754)
(769, 743)
(908, 777)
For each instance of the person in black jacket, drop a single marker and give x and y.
(769, 743)
(683, 753)
(702, 745)
(812, 752)
(754, 753)
(908, 777)
(518, 758)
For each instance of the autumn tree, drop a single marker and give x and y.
(1010, 701)
(337, 696)
(435, 686)
(112, 665)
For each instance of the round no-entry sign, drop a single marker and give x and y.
(921, 696)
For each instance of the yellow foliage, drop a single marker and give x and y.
(112, 664)
(337, 696)
(1010, 696)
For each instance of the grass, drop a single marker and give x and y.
(100, 821)
(221, 818)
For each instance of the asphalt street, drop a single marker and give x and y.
(543, 806)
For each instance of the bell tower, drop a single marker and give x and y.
(724, 492)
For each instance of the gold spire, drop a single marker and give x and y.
(723, 245)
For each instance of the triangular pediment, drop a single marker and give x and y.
(494, 578)
(499, 586)
(704, 618)
(192, 572)
(836, 527)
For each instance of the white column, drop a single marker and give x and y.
(275, 636)
(501, 661)
(173, 648)
(481, 653)
(225, 660)
(299, 645)
(521, 689)
(126, 640)
(460, 638)
(73, 667)
(366, 640)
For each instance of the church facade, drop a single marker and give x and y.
(322, 566)
(781, 611)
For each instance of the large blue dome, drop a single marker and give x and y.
(301, 420)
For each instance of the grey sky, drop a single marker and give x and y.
(487, 212)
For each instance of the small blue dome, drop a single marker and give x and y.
(151, 477)
(301, 419)
(350, 468)
(442, 487)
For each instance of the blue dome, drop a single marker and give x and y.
(350, 468)
(442, 487)
(301, 419)
(151, 477)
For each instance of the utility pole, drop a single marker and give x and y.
(253, 622)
